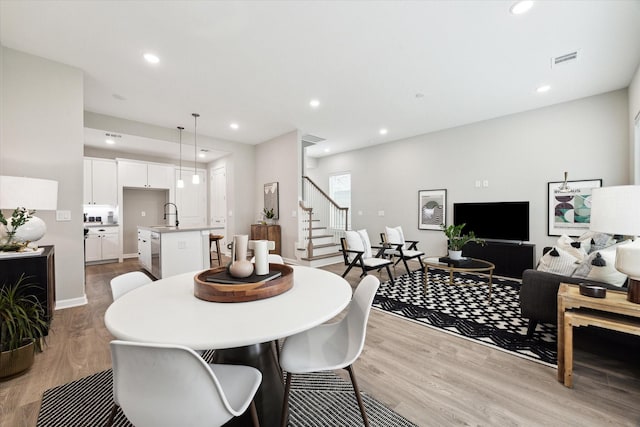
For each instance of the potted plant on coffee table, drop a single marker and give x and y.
(23, 323)
(457, 240)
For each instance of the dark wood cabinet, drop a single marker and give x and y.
(267, 232)
(39, 270)
(511, 259)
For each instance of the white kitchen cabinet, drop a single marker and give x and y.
(100, 182)
(144, 249)
(145, 175)
(102, 244)
(192, 199)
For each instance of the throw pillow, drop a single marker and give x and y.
(558, 261)
(359, 241)
(592, 267)
(395, 235)
(574, 247)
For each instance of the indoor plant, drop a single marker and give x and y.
(457, 240)
(269, 215)
(22, 325)
(9, 227)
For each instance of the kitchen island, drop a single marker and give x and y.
(165, 251)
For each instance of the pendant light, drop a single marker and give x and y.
(196, 178)
(180, 182)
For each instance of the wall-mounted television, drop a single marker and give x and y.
(494, 220)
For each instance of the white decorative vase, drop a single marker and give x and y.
(240, 267)
(455, 254)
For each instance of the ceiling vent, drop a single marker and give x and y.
(113, 135)
(312, 139)
(567, 58)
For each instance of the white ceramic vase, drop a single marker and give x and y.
(240, 267)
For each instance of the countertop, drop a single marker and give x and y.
(173, 229)
(99, 224)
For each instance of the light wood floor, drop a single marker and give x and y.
(430, 377)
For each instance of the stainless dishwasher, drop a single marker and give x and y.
(156, 269)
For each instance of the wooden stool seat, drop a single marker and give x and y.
(215, 238)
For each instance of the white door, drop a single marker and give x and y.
(219, 200)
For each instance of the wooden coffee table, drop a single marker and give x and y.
(472, 265)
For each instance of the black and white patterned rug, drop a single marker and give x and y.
(463, 309)
(319, 399)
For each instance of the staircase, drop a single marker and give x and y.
(322, 223)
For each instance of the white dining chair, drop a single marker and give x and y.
(127, 282)
(332, 345)
(170, 385)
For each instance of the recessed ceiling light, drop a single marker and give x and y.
(326, 150)
(520, 7)
(234, 126)
(383, 131)
(314, 103)
(151, 58)
(543, 89)
(109, 141)
(201, 155)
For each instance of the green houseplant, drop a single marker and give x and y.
(457, 240)
(23, 323)
(269, 215)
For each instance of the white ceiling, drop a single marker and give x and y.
(260, 63)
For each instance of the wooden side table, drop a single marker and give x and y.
(267, 232)
(613, 312)
(39, 270)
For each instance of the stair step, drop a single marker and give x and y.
(326, 245)
(323, 256)
(319, 236)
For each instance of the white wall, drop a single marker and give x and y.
(634, 110)
(278, 160)
(42, 136)
(518, 154)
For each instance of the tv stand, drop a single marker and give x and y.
(510, 258)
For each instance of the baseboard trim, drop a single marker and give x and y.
(72, 302)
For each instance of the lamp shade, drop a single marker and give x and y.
(616, 210)
(30, 193)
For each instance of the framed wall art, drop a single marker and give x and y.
(432, 209)
(569, 209)
(271, 198)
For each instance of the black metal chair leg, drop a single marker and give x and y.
(254, 414)
(112, 416)
(352, 374)
(285, 401)
(531, 328)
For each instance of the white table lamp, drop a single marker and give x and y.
(616, 210)
(30, 193)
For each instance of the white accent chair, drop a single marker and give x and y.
(160, 385)
(332, 345)
(127, 282)
(357, 251)
(398, 247)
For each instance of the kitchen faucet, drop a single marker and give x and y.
(169, 213)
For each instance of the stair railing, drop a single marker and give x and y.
(319, 206)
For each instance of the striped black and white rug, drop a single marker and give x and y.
(319, 399)
(463, 309)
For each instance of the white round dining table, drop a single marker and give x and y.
(167, 311)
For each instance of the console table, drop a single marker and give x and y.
(39, 270)
(510, 258)
(613, 312)
(267, 232)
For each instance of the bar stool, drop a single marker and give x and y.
(215, 238)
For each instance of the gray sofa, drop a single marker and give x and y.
(539, 296)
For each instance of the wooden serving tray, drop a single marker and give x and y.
(243, 292)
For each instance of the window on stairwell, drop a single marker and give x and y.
(340, 193)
